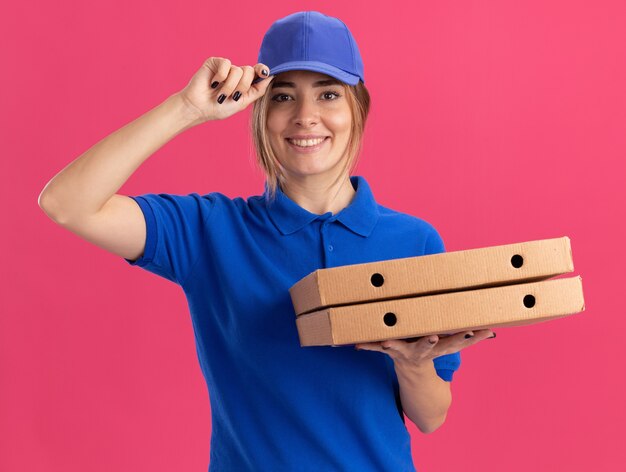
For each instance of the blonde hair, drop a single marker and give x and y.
(359, 101)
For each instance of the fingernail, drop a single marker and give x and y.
(494, 335)
(221, 98)
(467, 336)
(237, 95)
(214, 84)
(431, 341)
(265, 72)
(385, 348)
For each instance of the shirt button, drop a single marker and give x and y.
(330, 247)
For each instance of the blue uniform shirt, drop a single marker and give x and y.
(277, 406)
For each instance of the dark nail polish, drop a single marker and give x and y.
(237, 95)
(265, 72)
(467, 336)
(214, 84)
(221, 98)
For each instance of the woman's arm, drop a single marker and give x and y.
(425, 396)
(83, 187)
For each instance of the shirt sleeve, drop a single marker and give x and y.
(175, 229)
(447, 364)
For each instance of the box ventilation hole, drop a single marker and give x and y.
(529, 301)
(390, 319)
(377, 280)
(517, 261)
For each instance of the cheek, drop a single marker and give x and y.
(274, 124)
(275, 127)
(340, 122)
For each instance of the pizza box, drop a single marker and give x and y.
(443, 313)
(432, 274)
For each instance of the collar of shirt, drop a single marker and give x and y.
(359, 216)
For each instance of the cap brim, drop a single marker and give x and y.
(314, 66)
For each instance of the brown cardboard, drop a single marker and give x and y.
(444, 313)
(432, 274)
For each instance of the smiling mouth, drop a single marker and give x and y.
(306, 143)
(312, 146)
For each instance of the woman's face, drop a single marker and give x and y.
(305, 103)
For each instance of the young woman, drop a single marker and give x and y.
(275, 405)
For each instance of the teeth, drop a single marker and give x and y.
(306, 142)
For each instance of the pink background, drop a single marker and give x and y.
(496, 121)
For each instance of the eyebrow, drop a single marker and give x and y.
(319, 83)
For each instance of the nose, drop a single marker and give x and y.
(306, 113)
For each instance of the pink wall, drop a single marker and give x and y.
(496, 121)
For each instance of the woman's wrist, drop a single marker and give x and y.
(187, 115)
(412, 369)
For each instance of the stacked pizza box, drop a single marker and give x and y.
(442, 293)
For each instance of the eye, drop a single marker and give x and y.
(335, 94)
(276, 97)
(279, 97)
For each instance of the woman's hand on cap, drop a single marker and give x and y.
(220, 89)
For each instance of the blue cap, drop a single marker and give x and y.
(310, 40)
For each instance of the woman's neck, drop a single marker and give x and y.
(319, 198)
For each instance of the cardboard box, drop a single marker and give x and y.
(447, 313)
(434, 273)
